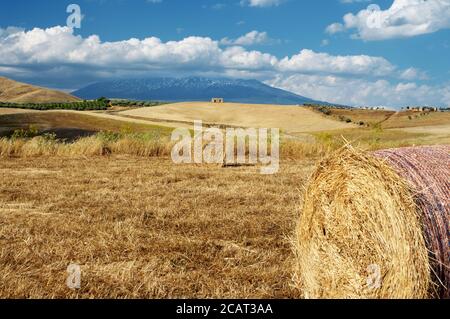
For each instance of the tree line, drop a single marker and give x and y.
(99, 104)
(132, 103)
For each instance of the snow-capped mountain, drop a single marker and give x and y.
(191, 89)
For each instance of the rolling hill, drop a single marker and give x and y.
(192, 89)
(17, 92)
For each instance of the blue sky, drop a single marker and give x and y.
(394, 54)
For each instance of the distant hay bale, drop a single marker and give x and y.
(376, 226)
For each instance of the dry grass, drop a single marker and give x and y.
(357, 213)
(12, 91)
(148, 144)
(147, 228)
(88, 146)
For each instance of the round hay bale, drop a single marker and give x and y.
(427, 170)
(362, 232)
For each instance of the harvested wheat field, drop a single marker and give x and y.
(146, 228)
(290, 119)
(385, 214)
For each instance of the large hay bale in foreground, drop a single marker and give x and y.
(368, 225)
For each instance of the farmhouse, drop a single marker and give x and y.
(217, 100)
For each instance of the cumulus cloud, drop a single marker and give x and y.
(57, 57)
(60, 45)
(310, 61)
(405, 18)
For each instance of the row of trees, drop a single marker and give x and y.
(130, 103)
(327, 106)
(100, 104)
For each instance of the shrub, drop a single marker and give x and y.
(31, 132)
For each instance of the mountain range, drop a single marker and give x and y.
(191, 89)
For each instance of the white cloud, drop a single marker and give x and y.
(60, 45)
(251, 38)
(57, 56)
(405, 18)
(335, 28)
(261, 3)
(310, 61)
(413, 74)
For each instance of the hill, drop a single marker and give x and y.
(17, 92)
(291, 119)
(192, 89)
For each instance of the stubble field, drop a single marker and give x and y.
(146, 228)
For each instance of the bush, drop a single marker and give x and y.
(31, 132)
